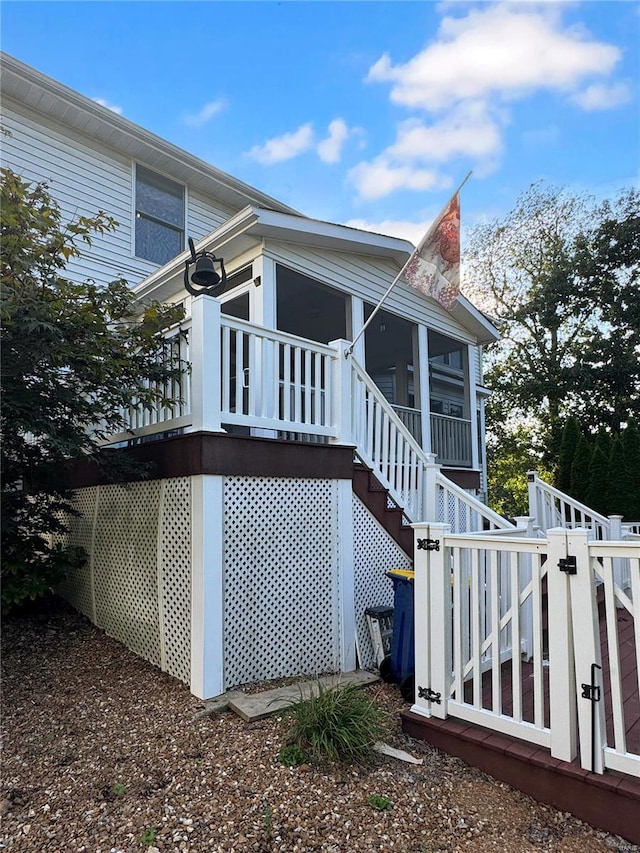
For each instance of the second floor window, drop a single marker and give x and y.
(159, 217)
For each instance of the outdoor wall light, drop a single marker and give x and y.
(205, 278)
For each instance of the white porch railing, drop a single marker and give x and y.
(242, 374)
(451, 440)
(479, 601)
(412, 419)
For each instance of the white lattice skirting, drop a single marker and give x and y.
(285, 573)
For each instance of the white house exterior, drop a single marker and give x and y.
(255, 489)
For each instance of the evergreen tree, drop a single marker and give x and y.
(631, 444)
(596, 497)
(568, 446)
(617, 480)
(580, 470)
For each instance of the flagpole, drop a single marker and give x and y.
(349, 349)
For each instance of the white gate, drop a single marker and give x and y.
(508, 636)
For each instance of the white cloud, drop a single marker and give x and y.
(506, 50)
(283, 147)
(208, 111)
(381, 176)
(112, 107)
(480, 62)
(330, 149)
(464, 132)
(405, 230)
(600, 96)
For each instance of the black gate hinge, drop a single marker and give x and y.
(429, 694)
(568, 565)
(591, 692)
(428, 544)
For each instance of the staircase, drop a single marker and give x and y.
(383, 508)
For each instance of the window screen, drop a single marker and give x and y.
(159, 217)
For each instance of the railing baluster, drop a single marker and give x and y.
(516, 657)
(496, 671)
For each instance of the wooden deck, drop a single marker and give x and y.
(610, 801)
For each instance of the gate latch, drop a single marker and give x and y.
(568, 565)
(429, 694)
(428, 544)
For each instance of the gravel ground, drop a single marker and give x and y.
(104, 753)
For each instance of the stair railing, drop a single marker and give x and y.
(553, 508)
(411, 476)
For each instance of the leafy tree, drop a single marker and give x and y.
(607, 271)
(508, 459)
(559, 274)
(74, 357)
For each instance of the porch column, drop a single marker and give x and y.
(341, 393)
(470, 400)
(263, 312)
(424, 398)
(262, 296)
(206, 368)
(356, 322)
(207, 586)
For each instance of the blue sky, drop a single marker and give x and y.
(363, 113)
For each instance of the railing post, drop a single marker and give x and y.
(526, 521)
(430, 504)
(432, 619)
(341, 403)
(586, 632)
(206, 364)
(621, 568)
(562, 680)
(532, 487)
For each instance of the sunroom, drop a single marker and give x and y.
(320, 283)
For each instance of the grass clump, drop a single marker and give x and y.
(291, 755)
(377, 801)
(339, 724)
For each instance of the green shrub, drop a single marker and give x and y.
(339, 724)
(379, 802)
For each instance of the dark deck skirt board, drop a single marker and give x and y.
(229, 455)
(610, 801)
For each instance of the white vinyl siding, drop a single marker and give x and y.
(84, 177)
(367, 278)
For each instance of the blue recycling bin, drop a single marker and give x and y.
(403, 656)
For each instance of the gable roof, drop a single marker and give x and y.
(56, 101)
(250, 226)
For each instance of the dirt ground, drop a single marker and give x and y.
(104, 753)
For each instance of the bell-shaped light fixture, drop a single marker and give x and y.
(209, 275)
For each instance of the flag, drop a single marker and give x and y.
(434, 267)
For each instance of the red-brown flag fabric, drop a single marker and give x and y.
(434, 267)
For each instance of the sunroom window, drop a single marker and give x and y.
(159, 217)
